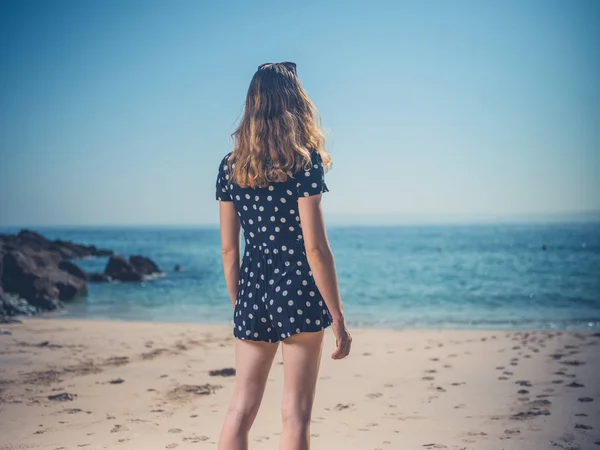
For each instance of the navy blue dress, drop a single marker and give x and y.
(277, 296)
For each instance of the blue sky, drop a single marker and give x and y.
(118, 112)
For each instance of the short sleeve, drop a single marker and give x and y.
(222, 187)
(312, 181)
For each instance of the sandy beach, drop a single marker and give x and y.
(67, 384)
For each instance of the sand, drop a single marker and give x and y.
(67, 384)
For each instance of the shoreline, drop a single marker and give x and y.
(55, 315)
(131, 385)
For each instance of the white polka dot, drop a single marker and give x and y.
(269, 198)
(255, 335)
(282, 220)
(291, 252)
(248, 196)
(292, 320)
(279, 324)
(304, 282)
(317, 322)
(277, 229)
(307, 174)
(247, 332)
(283, 335)
(263, 319)
(311, 293)
(307, 320)
(308, 304)
(314, 185)
(292, 211)
(298, 272)
(284, 293)
(283, 200)
(272, 237)
(272, 218)
(250, 316)
(279, 310)
(289, 192)
(284, 248)
(297, 330)
(277, 289)
(271, 188)
(256, 198)
(299, 312)
(291, 302)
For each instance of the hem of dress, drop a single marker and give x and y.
(315, 329)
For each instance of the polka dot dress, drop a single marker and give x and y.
(277, 296)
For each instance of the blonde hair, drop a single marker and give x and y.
(279, 129)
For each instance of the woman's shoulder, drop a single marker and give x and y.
(224, 164)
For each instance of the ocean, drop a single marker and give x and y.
(503, 276)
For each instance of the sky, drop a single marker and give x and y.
(118, 112)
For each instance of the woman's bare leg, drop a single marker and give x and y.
(253, 361)
(301, 359)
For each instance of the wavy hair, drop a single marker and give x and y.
(279, 129)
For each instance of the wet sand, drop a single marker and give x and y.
(87, 384)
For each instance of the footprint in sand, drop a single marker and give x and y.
(581, 426)
(375, 395)
(574, 384)
(172, 445)
(341, 406)
(428, 378)
(585, 399)
(175, 430)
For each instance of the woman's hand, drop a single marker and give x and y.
(343, 340)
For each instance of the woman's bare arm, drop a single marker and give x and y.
(230, 247)
(322, 265)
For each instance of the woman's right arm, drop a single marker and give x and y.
(322, 265)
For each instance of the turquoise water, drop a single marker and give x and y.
(478, 276)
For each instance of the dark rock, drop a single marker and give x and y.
(119, 268)
(134, 269)
(143, 265)
(30, 240)
(37, 277)
(71, 268)
(98, 277)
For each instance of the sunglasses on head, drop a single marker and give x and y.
(288, 65)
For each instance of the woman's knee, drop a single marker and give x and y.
(295, 415)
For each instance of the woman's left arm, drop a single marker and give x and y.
(230, 247)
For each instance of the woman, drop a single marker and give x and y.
(286, 288)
